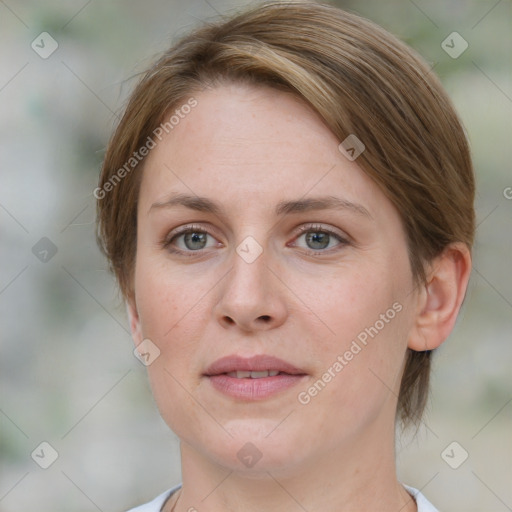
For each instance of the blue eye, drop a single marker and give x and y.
(320, 239)
(193, 240)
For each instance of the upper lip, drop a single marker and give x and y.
(255, 363)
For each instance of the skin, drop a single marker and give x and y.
(248, 148)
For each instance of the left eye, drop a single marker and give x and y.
(320, 239)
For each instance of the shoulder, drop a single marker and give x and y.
(157, 504)
(422, 503)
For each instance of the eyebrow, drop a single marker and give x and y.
(203, 204)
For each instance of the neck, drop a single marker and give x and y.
(359, 475)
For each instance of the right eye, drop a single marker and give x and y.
(189, 240)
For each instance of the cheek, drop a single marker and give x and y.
(368, 319)
(172, 316)
(353, 302)
(168, 299)
(175, 400)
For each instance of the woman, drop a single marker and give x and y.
(287, 205)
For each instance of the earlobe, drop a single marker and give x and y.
(441, 298)
(134, 320)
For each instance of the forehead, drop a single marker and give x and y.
(249, 146)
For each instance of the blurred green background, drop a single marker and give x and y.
(67, 372)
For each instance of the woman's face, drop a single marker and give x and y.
(304, 259)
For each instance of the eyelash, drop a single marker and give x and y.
(314, 228)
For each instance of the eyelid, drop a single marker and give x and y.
(187, 228)
(319, 227)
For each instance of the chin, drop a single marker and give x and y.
(256, 447)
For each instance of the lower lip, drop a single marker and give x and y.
(253, 389)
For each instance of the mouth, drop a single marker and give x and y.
(253, 378)
(254, 375)
(254, 367)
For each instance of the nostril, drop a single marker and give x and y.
(266, 318)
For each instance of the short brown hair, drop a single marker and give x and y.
(361, 80)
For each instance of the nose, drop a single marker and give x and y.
(251, 298)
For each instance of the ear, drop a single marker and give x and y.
(439, 300)
(133, 317)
